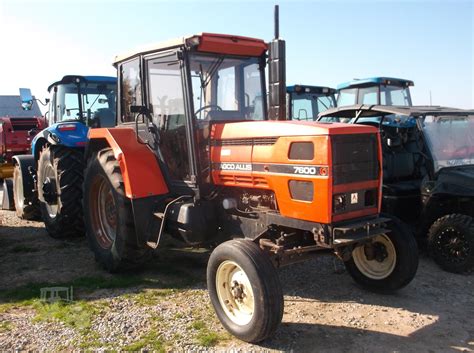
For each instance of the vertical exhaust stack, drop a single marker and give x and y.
(277, 74)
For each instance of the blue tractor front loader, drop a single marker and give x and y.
(47, 183)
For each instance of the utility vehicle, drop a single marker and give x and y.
(48, 182)
(375, 90)
(16, 129)
(428, 173)
(197, 158)
(306, 102)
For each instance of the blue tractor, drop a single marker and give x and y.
(306, 102)
(375, 91)
(47, 183)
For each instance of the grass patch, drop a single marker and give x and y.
(5, 326)
(150, 340)
(77, 314)
(151, 296)
(208, 338)
(198, 325)
(23, 249)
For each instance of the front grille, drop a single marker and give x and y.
(262, 141)
(354, 158)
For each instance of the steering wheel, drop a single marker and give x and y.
(209, 106)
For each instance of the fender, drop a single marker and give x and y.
(141, 173)
(143, 180)
(24, 162)
(67, 133)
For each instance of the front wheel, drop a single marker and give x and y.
(245, 290)
(60, 175)
(388, 263)
(451, 243)
(25, 209)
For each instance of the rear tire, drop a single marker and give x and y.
(108, 215)
(245, 290)
(392, 265)
(60, 177)
(24, 209)
(451, 243)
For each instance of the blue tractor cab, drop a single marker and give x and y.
(306, 102)
(375, 90)
(48, 182)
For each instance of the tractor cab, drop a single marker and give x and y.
(375, 91)
(306, 102)
(86, 99)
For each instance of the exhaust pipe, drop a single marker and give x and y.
(277, 74)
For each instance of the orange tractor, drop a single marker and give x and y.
(197, 157)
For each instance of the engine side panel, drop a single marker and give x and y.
(298, 169)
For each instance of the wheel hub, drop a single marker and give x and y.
(49, 191)
(235, 292)
(453, 247)
(238, 291)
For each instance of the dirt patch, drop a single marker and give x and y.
(166, 307)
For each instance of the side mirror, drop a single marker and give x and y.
(26, 98)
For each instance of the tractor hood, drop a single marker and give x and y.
(262, 129)
(453, 181)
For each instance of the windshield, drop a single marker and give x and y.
(226, 88)
(395, 95)
(307, 106)
(98, 101)
(450, 140)
(347, 97)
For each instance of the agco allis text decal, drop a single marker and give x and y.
(272, 168)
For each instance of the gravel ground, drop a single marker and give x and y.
(166, 306)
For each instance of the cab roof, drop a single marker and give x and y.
(377, 110)
(310, 89)
(73, 78)
(205, 42)
(365, 82)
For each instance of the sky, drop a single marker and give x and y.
(328, 42)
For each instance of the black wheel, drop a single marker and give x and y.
(451, 243)
(25, 209)
(60, 177)
(108, 215)
(388, 263)
(245, 290)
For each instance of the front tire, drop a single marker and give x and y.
(451, 243)
(24, 209)
(388, 263)
(245, 290)
(60, 177)
(108, 215)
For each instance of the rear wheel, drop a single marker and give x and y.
(60, 176)
(389, 262)
(451, 243)
(108, 215)
(25, 209)
(245, 290)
